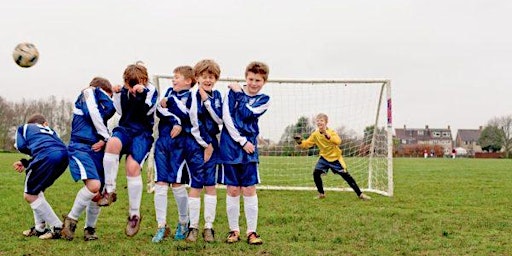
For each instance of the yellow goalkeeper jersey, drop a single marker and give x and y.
(329, 148)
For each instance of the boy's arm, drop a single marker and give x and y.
(228, 109)
(147, 98)
(307, 143)
(332, 137)
(97, 119)
(215, 112)
(20, 143)
(199, 133)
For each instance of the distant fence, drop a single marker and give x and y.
(489, 155)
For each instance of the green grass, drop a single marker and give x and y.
(440, 207)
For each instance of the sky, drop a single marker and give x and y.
(449, 61)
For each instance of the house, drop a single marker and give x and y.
(426, 136)
(468, 139)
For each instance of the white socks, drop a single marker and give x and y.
(181, 197)
(233, 211)
(134, 185)
(251, 212)
(82, 200)
(92, 213)
(210, 206)
(161, 204)
(194, 207)
(41, 208)
(111, 166)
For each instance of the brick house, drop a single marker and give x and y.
(468, 139)
(426, 136)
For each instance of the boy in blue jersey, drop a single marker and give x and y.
(49, 159)
(170, 165)
(136, 103)
(328, 141)
(242, 108)
(205, 116)
(89, 133)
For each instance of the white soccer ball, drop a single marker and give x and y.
(25, 55)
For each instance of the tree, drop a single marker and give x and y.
(497, 135)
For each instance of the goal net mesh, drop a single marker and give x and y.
(360, 112)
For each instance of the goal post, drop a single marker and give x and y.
(359, 110)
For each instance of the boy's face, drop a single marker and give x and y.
(321, 123)
(254, 83)
(206, 81)
(179, 82)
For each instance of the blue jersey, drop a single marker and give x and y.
(136, 110)
(93, 108)
(166, 118)
(179, 104)
(240, 113)
(206, 117)
(34, 139)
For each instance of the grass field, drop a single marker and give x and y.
(440, 207)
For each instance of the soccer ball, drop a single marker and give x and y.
(25, 55)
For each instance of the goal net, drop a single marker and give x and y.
(360, 112)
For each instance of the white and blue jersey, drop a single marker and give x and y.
(241, 113)
(169, 156)
(93, 108)
(49, 156)
(180, 103)
(135, 130)
(205, 118)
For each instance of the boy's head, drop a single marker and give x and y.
(134, 75)
(207, 72)
(321, 121)
(256, 75)
(183, 78)
(37, 119)
(102, 83)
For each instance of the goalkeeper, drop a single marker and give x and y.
(328, 141)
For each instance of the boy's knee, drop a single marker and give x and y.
(317, 173)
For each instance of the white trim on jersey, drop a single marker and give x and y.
(228, 122)
(215, 117)
(97, 120)
(149, 99)
(25, 127)
(259, 109)
(117, 103)
(194, 120)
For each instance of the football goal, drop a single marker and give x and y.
(359, 110)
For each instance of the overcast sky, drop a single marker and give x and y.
(449, 61)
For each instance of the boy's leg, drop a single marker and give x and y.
(194, 208)
(210, 207)
(317, 177)
(83, 199)
(111, 168)
(233, 212)
(161, 189)
(352, 183)
(91, 217)
(135, 187)
(181, 198)
(45, 211)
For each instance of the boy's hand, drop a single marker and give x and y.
(116, 88)
(138, 88)
(163, 103)
(208, 151)
(204, 95)
(176, 131)
(249, 147)
(96, 147)
(323, 131)
(235, 87)
(18, 166)
(297, 139)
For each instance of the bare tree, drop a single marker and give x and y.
(499, 128)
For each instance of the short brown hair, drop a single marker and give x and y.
(135, 74)
(187, 72)
(36, 119)
(208, 66)
(102, 83)
(257, 67)
(323, 116)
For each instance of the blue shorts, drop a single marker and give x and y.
(137, 145)
(194, 156)
(170, 165)
(44, 170)
(324, 165)
(84, 163)
(240, 175)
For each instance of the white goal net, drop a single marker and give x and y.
(359, 110)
